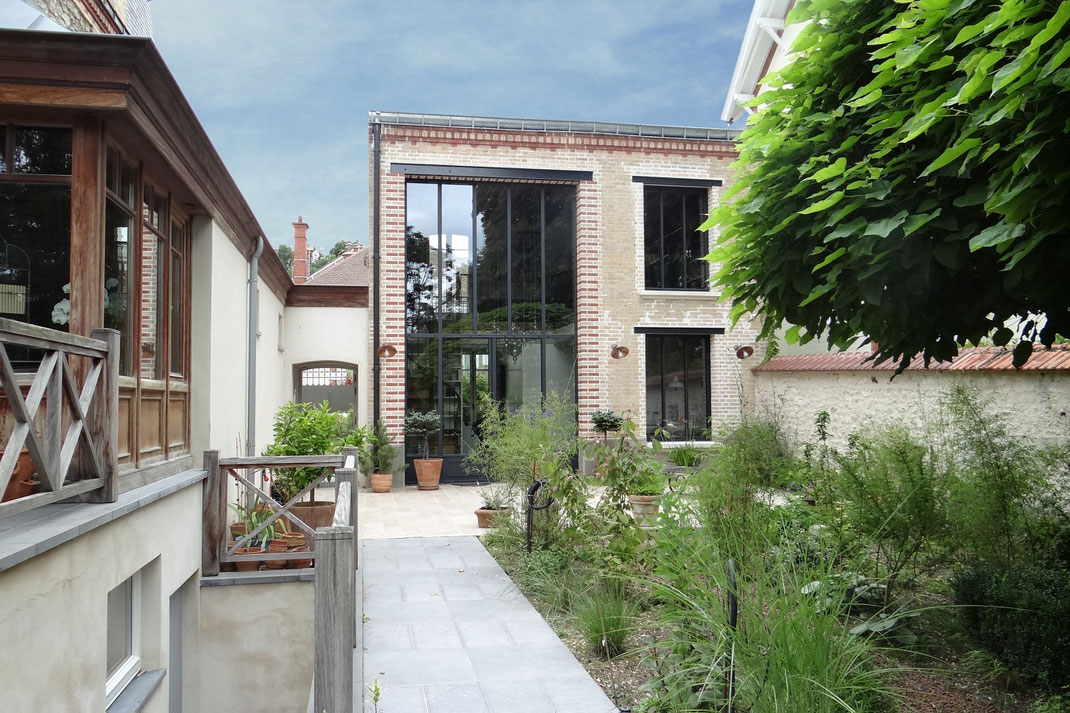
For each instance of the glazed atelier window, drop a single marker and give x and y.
(677, 387)
(673, 245)
(35, 229)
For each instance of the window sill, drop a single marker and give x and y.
(669, 445)
(691, 294)
(137, 692)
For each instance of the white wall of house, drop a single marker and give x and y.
(54, 622)
(338, 334)
(1036, 404)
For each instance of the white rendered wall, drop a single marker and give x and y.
(1036, 404)
(53, 621)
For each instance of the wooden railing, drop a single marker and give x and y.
(72, 400)
(215, 549)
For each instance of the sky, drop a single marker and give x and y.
(283, 87)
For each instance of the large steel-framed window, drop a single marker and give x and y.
(490, 298)
(673, 245)
(677, 386)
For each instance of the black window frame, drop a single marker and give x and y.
(654, 191)
(657, 340)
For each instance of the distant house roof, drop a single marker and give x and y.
(350, 268)
(970, 359)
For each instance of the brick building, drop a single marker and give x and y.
(518, 257)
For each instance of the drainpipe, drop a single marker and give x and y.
(376, 130)
(254, 321)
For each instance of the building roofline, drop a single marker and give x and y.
(691, 133)
(754, 53)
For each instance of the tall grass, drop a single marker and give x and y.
(604, 617)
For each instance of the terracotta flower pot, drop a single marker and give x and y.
(248, 565)
(293, 540)
(486, 518)
(428, 471)
(301, 564)
(381, 482)
(644, 507)
(315, 514)
(276, 545)
(21, 483)
(238, 529)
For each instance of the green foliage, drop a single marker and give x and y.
(547, 574)
(424, 424)
(904, 179)
(1059, 703)
(286, 257)
(380, 453)
(303, 429)
(621, 463)
(606, 422)
(252, 519)
(1021, 614)
(337, 249)
(649, 481)
(495, 498)
(604, 617)
(686, 456)
(896, 497)
(756, 452)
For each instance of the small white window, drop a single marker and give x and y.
(124, 636)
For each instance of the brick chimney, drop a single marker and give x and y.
(300, 251)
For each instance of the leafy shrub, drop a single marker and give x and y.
(1022, 615)
(756, 452)
(896, 498)
(606, 422)
(379, 455)
(547, 575)
(685, 456)
(603, 617)
(423, 424)
(302, 429)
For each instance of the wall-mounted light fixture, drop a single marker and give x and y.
(386, 351)
(743, 351)
(618, 351)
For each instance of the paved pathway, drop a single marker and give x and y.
(408, 512)
(446, 631)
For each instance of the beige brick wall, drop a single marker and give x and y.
(611, 300)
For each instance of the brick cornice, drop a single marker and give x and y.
(554, 141)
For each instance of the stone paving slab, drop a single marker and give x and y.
(446, 631)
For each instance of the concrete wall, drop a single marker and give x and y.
(256, 647)
(330, 334)
(53, 622)
(611, 297)
(1036, 404)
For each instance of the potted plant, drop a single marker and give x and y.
(495, 505)
(22, 482)
(645, 491)
(377, 460)
(302, 429)
(428, 470)
(252, 519)
(606, 422)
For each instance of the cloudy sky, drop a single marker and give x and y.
(283, 88)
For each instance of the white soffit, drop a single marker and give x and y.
(18, 15)
(759, 41)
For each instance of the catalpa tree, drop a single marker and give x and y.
(906, 179)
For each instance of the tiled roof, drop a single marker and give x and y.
(969, 359)
(350, 268)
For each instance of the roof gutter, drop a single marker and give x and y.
(254, 323)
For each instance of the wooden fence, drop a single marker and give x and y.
(64, 415)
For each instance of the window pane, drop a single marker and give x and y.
(526, 258)
(35, 233)
(697, 388)
(177, 327)
(421, 258)
(560, 216)
(421, 384)
(561, 367)
(652, 236)
(694, 214)
(457, 258)
(42, 150)
(153, 254)
(3, 149)
(654, 409)
(673, 239)
(491, 263)
(519, 371)
(465, 379)
(118, 233)
(120, 620)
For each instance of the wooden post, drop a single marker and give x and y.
(354, 515)
(335, 615)
(104, 426)
(214, 514)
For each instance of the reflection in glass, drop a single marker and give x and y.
(672, 238)
(176, 351)
(526, 258)
(673, 245)
(561, 366)
(677, 386)
(40, 150)
(465, 380)
(421, 262)
(120, 625)
(421, 384)
(560, 230)
(519, 371)
(118, 232)
(491, 257)
(457, 253)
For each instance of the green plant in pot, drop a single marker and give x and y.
(377, 460)
(428, 470)
(252, 518)
(644, 492)
(496, 504)
(606, 422)
(302, 429)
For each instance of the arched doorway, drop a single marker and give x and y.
(333, 382)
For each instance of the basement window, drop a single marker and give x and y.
(124, 636)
